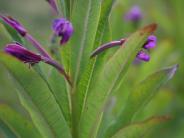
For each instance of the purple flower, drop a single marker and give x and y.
(62, 28)
(134, 14)
(53, 5)
(26, 56)
(21, 53)
(14, 24)
(143, 56)
(151, 42)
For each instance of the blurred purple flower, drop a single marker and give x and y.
(14, 24)
(21, 53)
(151, 42)
(143, 56)
(134, 14)
(53, 5)
(63, 28)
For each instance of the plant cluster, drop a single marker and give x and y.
(78, 95)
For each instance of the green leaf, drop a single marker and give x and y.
(37, 99)
(118, 25)
(157, 105)
(59, 90)
(138, 73)
(6, 131)
(4, 36)
(13, 33)
(107, 116)
(68, 5)
(62, 95)
(85, 82)
(85, 18)
(111, 74)
(17, 123)
(65, 7)
(140, 95)
(139, 130)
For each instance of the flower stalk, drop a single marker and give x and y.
(107, 46)
(37, 45)
(53, 5)
(17, 50)
(142, 55)
(58, 67)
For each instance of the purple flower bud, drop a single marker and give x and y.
(152, 38)
(62, 28)
(21, 53)
(143, 56)
(53, 5)
(134, 14)
(14, 24)
(151, 42)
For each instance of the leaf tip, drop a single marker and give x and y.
(163, 118)
(158, 119)
(171, 71)
(149, 28)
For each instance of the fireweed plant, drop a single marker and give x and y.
(77, 96)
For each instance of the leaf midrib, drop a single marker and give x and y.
(89, 80)
(55, 96)
(86, 22)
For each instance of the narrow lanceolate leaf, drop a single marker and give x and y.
(66, 7)
(59, 90)
(84, 84)
(63, 7)
(107, 116)
(140, 95)
(37, 99)
(6, 131)
(139, 130)
(62, 95)
(111, 74)
(4, 36)
(17, 123)
(14, 35)
(85, 18)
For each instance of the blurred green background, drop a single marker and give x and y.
(168, 14)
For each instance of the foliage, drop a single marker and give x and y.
(110, 95)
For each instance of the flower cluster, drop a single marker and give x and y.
(150, 43)
(61, 27)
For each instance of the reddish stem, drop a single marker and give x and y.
(107, 46)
